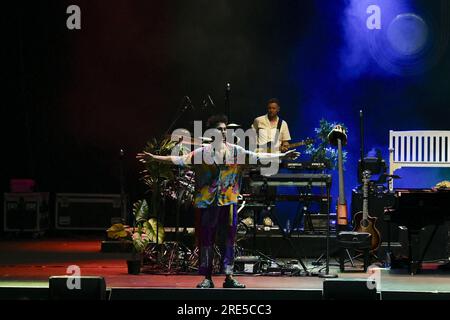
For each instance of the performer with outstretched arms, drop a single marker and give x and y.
(218, 182)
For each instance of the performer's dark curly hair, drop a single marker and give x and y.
(274, 100)
(216, 119)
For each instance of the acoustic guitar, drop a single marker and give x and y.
(362, 221)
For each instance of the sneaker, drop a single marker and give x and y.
(206, 283)
(232, 283)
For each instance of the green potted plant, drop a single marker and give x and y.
(147, 222)
(156, 175)
(147, 231)
(118, 238)
(322, 151)
(140, 242)
(163, 182)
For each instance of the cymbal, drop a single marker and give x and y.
(392, 176)
(233, 126)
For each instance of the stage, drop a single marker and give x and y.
(26, 266)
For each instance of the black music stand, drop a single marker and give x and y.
(327, 274)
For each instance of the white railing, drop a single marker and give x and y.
(418, 149)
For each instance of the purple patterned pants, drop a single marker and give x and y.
(220, 222)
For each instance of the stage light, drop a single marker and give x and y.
(402, 37)
(408, 34)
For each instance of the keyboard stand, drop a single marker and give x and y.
(283, 233)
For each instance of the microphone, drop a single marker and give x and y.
(208, 103)
(211, 102)
(188, 103)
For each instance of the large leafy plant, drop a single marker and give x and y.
(163, 181)
(322, 151)
(147, 223)
(157, 175)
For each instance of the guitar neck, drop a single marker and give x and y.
(269, 145)
(366, 198)
(295, 145)
(300, 144)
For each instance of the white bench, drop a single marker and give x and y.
(426, 149)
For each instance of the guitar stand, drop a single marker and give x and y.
(366, 256)
(360, 243)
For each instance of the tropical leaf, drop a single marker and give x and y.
(151, 227)
(117, 231)
(159, 178)
(141, 211)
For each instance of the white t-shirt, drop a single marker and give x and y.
(266, 131)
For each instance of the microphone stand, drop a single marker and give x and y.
(327, 274)
(185, 105)
(361, 167)
(228, 101)
(123, 205)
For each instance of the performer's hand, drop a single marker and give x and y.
(144, 156)
(284, 148)
(292, 154)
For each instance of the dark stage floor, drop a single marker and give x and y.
(26, 265)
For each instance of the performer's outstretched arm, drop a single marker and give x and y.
(177, 160)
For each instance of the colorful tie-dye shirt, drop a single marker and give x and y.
(218, 183)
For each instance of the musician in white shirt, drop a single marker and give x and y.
(267, 126)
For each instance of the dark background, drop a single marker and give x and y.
(73, 98)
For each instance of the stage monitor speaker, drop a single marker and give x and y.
(77, 288)
(349, 289)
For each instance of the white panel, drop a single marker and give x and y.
(432, 156)
(402, 149)
(419, 156)
(420, 148)
(408, 149)
(448, 149)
